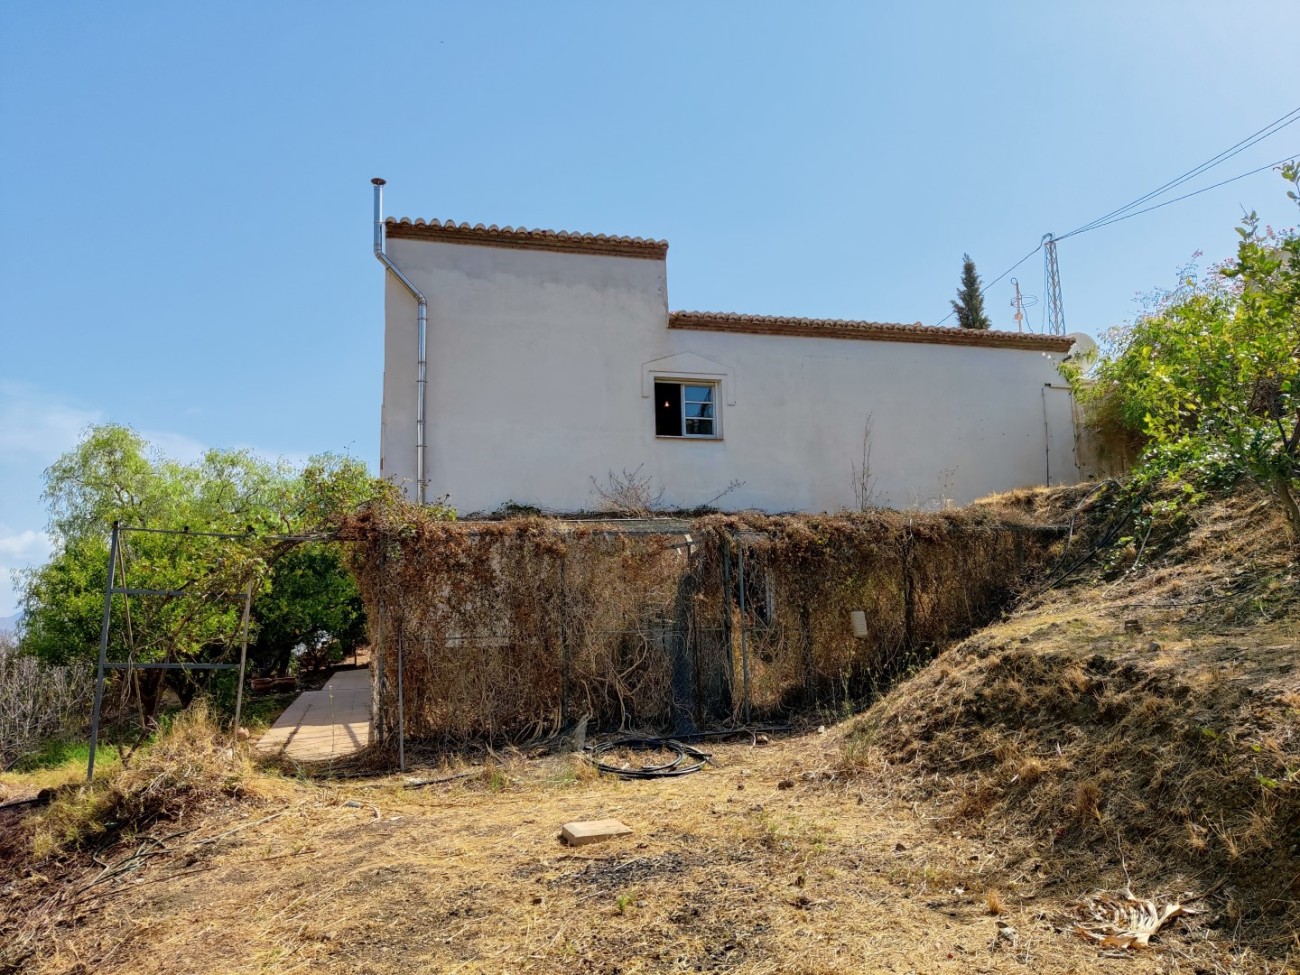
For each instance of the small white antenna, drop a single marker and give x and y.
(1020, 303)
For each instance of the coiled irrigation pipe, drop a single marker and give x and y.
(688, 758)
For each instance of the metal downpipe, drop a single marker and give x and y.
(422, 319)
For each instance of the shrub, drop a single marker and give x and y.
(37, 702)
(190, 762)
(1209, 380)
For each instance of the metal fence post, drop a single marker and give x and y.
(809, 668)
(376, 674)
(103, 653)
(243, 657)
(909, 598)
(401, 704)
(744, 646)
(564, 642)
(726, 620)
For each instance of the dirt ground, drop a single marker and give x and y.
(763, 862)
(1133, 728)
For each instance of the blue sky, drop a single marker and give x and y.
(185, 205)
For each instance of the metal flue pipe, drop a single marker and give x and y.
(422, 328)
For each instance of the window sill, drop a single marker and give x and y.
(662, 436)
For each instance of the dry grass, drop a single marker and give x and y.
(1164, 758)
(190, 764)
(190, 767)
(993, 901)
(725, 871)
(952, 828)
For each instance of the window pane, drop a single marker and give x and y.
(699, 394)
(668, 409)
(699, 428)
(699, 409)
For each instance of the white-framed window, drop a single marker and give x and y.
(687, 408)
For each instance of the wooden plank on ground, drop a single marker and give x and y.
(593, 831)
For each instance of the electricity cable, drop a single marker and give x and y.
(688, 758)
(1272, 128)
(1126, 211)
(1185, 196)
(680, 765)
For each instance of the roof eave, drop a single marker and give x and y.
(522, 238)
(866, 331)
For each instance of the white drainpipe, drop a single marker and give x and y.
(423, 321)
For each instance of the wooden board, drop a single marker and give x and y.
(593, 831)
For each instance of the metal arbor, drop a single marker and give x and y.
(116, 571)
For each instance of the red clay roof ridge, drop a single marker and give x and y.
(851, 329)
(492, 235)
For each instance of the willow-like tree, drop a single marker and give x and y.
(303, 596)
(969, 305)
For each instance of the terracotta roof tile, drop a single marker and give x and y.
(523, 238)
(871, 331)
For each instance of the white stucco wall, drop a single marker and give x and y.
(540, 370)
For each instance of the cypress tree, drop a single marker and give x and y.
(969, 305)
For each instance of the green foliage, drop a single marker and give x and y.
(56, 753)
(301, 593)
(313, 602)
(1209, 380)
(63, 601)
(969, 305)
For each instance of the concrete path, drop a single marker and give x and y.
(320, 725)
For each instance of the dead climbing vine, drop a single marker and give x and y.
(509, 629)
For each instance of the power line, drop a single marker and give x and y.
(1255, 137)
(1135, 213)
(1127, 211)
(1203, 189)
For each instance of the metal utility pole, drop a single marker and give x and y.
(1055, 309)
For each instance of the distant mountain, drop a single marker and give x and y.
(9, 624)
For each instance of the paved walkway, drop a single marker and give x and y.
(320, 725)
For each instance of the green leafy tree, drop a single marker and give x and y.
(1209, 380)
(311, 604)
(113, 475)
(969, 306)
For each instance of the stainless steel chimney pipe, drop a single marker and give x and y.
(422, 327)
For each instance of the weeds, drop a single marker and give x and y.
(189, 763)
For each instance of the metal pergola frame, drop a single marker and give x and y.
(111, 589)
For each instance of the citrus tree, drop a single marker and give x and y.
(1209, 380)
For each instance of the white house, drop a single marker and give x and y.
(546, 360)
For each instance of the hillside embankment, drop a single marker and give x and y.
(1134, 724)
